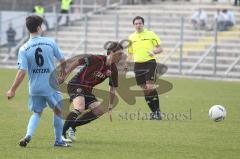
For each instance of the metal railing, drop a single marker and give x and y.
(183, 35)
(213, 48)
(16, 25)
(82, 10)
(15, 49)
(232, 66)
(53, 14)
(181, 45)
(170, 54)
(207, 57)
(208, 51)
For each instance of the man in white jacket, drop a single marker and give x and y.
(225, 20)
(199, 19)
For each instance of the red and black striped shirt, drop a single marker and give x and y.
(95, 71)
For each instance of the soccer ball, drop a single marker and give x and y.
(217, 113)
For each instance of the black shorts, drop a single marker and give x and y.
(76, 90)
(64, 11)
(145, 71)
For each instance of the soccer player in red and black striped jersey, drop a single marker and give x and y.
(96, 68)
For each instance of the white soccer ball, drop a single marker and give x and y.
(217, 113)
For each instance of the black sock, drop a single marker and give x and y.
(70, 120)
(84, 119)
(149, 102)
(153, 100)
(156, 100)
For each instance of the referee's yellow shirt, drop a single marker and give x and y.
(142, 43)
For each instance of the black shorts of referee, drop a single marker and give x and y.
(145, 71)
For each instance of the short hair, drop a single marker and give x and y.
(33, 22)
(113, 47)
(137, 18)
(224, 10)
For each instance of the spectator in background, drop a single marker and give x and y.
(199, 20)
(145, 1)
(219, 18)
(11, 34)
(176, 0)
(39, 10)
(131, 2)
(230, 21)
(237, 2)
(225, 20)
(65, 8)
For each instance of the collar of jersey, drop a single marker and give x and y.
(144, 31)
(36, 36)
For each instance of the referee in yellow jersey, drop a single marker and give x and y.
(144, 46)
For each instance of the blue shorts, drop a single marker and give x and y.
(38, 103)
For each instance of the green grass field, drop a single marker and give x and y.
(194, 137)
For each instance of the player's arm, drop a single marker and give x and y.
(18, 80)
(63, 67)
(60, 57)
(156, 42)
(22, 67)
(130, 52)
(74, 65)
(112, 92)
(129, 58)
(65, 71)
(113, 84)
(158, 49)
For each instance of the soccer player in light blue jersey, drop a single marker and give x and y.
(36, 57)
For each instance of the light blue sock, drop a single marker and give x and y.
(58, 127)
(32, 124)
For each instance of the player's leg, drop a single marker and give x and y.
(86, 116)
(151, 92)
(79, 106)
(149, 96)
(153, 100)
(58, 127)
(36, 105)
(32, 125)
(89, 115)
(54, 101)
(77, 98)
(146, 81)
(141, 70)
